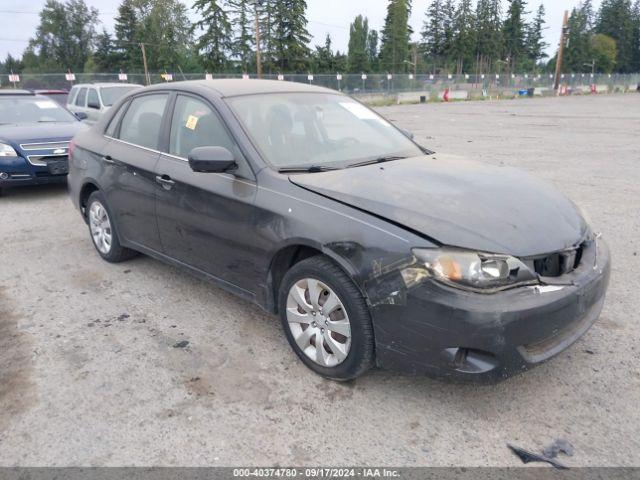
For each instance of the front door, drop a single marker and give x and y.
(205, 219)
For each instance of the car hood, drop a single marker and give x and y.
(39, 132)
(458, 203)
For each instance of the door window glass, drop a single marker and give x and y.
(113, 124)
(195, 124)
(82, 97)
(92, 99)
(72, 95)
(143, 120)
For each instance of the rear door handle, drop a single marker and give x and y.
(165, 181)
(108, 159)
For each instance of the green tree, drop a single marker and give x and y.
(166, 31)
(433, 35)
(490, 45)
(289, 35)
(464, 43)
(105, 57)
(615, 20)
(372, 49)
(11, 64)
(635, 16)
(513, 34)
(578, 52)
(215, 43)
(604, 52)
(323, 58)
(126, 37)
(535, 44)
(359, 56)
(340, 62)
(64, 38)
(242, 47)
(394, 50)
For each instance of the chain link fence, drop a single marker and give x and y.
(400, 88)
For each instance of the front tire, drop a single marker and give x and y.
(103, 231)
(326, 319)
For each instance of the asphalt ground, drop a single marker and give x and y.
(90, 375)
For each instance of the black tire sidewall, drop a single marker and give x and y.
(360, 353)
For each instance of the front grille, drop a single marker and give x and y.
(41, 160)
(558, 263)
(44, 146)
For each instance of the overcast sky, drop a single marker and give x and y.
(19, 19)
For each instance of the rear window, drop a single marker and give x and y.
(111, 95)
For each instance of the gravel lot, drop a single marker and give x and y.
(89, 374)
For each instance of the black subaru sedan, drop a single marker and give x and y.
(34, 139)
(371, 249)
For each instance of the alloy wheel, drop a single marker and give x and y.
(100, 227)
(318, 322)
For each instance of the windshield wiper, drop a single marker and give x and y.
(309, 169)
(388, 158)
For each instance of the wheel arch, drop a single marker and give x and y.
(87, 189)
(293, 252)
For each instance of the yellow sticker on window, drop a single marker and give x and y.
(192, 121)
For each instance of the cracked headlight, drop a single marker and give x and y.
(7, 150)
(475, 271)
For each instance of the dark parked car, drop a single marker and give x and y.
(370, 248)
(34, 139)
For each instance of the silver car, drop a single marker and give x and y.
(88, 101)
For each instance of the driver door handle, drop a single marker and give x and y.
(165, 181)
(108, 159)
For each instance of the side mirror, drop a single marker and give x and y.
(93, 105)
(81, 115)
(407, 133)
(211, 160)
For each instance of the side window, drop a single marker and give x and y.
(141, 124)
(92, 99)
(195, 124)
(82, 97)
(113, 124)
(72, 95)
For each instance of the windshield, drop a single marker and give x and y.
(320, 130)
(32, 109)
(111, 95)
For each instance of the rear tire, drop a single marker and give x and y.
(318, 302)
(103, 230)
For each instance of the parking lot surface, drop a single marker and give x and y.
(92, 373)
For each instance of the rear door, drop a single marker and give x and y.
(206, 219)
(130, 161)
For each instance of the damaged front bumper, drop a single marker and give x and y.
(452, 334)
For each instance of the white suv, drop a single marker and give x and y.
(93, 99)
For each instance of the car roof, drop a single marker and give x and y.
(231, 87)
(16, 92)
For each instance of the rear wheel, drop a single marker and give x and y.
(103, 230)
(326, 319)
